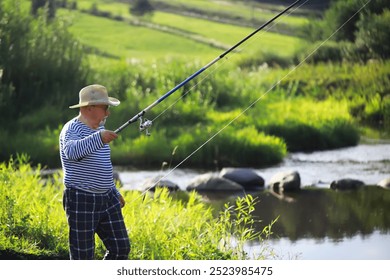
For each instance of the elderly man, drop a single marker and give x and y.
(91, 201)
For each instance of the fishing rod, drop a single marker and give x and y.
(146, 124)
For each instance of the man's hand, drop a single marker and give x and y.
(108, 136)
(122, 201)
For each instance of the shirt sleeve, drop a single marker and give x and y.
(76, 148)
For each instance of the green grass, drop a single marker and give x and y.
(234, 9)
(33, 223)
(224, 34)
(230, 34)
(237, 8)
(125, 41)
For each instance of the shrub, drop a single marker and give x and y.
(41, 146)
(269, 58)
(373, 34)
(230, 147)
(330, 51)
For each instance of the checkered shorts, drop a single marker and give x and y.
(90, 213)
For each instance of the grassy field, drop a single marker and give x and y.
(231, 8)
(174, 45)
(230, 34)
(258, 11)
(123, 41)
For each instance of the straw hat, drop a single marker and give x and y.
(95, 95)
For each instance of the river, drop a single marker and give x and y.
(320, 223)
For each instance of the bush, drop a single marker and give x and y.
(374, 34)
(328, 52)
(41, 146)
(231, 147)
(271, 59)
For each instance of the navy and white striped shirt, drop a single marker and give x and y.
(86, 160)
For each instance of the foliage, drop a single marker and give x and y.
(310, 125)
(50, 5)
(39, 144)
(373, 34)
(339, 13)
(230, 147)
(32, 219)
(364, 26)
(141, 8)
(33, 223)
(34, 55)
(263, 58)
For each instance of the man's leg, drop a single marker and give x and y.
(112, 231)
(79, 207)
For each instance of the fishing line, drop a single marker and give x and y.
(258, 37)
(254, 102)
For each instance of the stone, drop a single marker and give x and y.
(246, 177)
(210, 182)
(286, 181)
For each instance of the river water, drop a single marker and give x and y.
(316, 223)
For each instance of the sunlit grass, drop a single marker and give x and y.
(125, 41)
(239, 8)
(231, 34)
(33, 223)
(171, 45)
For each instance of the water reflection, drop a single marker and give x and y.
(323, 213)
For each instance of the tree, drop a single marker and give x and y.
(41, 63)
(39, 4)
(365, 27)
(141, 8)
(373, 34)
(345, 14)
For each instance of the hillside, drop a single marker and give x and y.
(316, 5)
(217, 35)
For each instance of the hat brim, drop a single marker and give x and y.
(111, 102)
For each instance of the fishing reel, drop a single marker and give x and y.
(144, 125)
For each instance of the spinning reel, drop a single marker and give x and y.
(144, 125)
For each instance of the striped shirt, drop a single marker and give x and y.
(86, 160)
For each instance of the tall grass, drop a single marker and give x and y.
(33, 223)
(31, 215)
(174, 229)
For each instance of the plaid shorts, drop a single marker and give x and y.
(90, 213)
